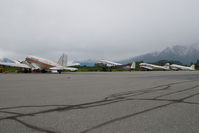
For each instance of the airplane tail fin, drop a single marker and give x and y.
(193, 67)
(167, 65)
(133, 65)
(63, 60)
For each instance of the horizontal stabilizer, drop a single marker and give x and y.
(57, 68)
(63, 68)
(70, 68)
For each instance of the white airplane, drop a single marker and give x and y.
(154, 67)
(47, 65)
(110, 64)
(37, 63)
(179, 67)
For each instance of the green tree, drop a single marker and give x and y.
(197, 65)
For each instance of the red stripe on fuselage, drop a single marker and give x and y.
(35, 61)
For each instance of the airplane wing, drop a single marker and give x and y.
(150, 68)
(127, 66)
(70, 68)
(14, 65)
(63, 68)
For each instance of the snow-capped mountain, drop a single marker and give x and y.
(8, 60)
(184, 54)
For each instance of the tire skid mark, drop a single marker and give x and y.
(194, 87)
(32, 106)
(137, 113)
(9, 112)
(125, 117)
(34, 127)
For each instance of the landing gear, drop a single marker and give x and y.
(43, 71)
(104, 69)
(59, 71)
(24, 70)
(107, 69)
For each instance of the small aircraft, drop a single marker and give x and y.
(47, 65)
(154, 67)
(36, 63)
(179, 67)
(109, 64)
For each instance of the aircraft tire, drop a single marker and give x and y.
(59, 71)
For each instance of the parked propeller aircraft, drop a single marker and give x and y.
(109, 64)
(154, 67)
(179, 67)
(44, 65)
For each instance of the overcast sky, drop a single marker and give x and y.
(95, 29)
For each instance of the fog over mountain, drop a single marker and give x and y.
(184, 54)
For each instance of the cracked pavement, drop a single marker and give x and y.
(100, 102)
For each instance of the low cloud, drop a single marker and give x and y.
(95, 29)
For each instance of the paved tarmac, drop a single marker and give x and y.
(100, 102)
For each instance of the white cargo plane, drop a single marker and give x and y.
(110, 64)
(154, 67)
(47, 65)
(179, 67)
(37, 63)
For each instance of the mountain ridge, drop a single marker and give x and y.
(184, 54)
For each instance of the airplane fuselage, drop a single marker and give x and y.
(41, 63)
(176, 67)
(152, 67)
